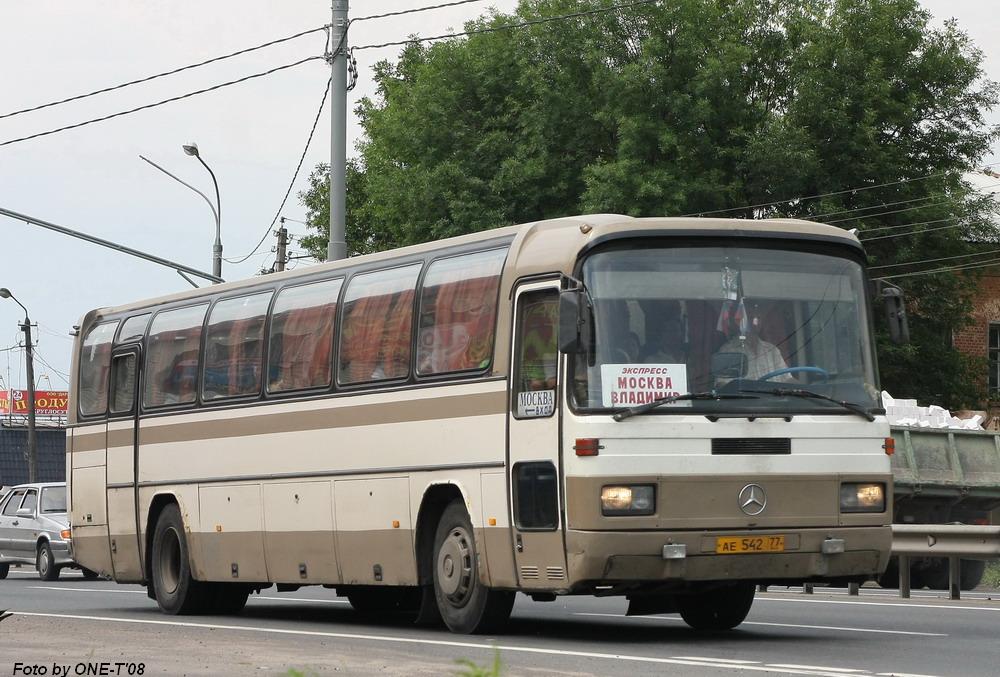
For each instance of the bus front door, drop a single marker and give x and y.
(122, 468)
(533, 439)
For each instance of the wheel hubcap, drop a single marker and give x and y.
(169, 562)
(454, 566)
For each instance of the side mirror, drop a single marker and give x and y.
(728, 365)
(574, 321)
(895, 314)
(25, 512)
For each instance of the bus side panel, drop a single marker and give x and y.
(231, 533)
(299, 543)
(88, 509)
(495, 534)
(375, 531)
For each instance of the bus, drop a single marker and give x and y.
(670, 410)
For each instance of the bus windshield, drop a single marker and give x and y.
(769, 324)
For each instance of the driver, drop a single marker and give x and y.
(762, 357)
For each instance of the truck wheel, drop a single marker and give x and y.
(4, 568)
(176, 590)
(935, 574)
(45, 563)
(719, 609)
(467, 606)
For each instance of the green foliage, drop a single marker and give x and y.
(991, 577)
(471, 669)
(691, 107)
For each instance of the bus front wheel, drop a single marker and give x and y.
(719, 609)
(177, 592)
(467, 606)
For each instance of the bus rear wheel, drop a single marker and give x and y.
(177, 592)
(4, 568)
(718, 609)
(467, 606)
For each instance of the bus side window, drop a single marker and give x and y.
(377, 324)
(458, 313)
(95, 365)
(172, 356)
(234, 347)
(537, 356)
(301, 342)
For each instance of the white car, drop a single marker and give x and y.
(34, 530)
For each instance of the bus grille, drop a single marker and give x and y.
(554, 573)
(753, 445)
(529, 573)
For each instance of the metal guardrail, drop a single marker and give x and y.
(952, 541)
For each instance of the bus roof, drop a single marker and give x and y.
(555, 244)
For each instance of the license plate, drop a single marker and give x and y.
(732, 545)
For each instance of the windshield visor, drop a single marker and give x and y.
(674, 320)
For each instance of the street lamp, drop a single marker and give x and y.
(192, 149)
(30, 368)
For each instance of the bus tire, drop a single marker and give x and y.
(224, 598)
(45, 563)
(972, 573)
(466, 605)
(718, 609)
(4, 569)
(177, 592)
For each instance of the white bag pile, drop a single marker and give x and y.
(906, 412)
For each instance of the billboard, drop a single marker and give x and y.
(47, 402)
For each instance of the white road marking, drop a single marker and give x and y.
(900, 605)
(716, 660)
(814, 667)
(448, 643)
(301, 599)
(900, 674)
(776, 625)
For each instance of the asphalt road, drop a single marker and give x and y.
(98, 627)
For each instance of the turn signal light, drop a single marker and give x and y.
(589, 446)
(889, 446)
(65, 533)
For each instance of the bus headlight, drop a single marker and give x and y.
(637, 499)
(862, 497)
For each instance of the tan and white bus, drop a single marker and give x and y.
(670, 410)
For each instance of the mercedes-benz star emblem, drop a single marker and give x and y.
(753, 500)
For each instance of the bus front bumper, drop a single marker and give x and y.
(677, 556)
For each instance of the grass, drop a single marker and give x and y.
(991, 577)
(470, 669)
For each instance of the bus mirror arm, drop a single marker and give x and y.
(574, 321)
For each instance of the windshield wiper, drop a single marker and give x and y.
(808, 394)
(623, 414)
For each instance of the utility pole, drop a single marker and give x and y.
(32, 444)
(337, 246)
(281, 256)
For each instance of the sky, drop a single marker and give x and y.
(251, 134)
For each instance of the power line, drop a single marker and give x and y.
(893, 204)
(148, 78)
(973, 266)
(414, 10)
(915, 232)
(164, 101)
(943, 258)
(507, 27)
(838, 192)
(63, 376)
(322, 104)
(910, 225)
(895, 211)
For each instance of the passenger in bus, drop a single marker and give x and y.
(761, 357)
(667, 344)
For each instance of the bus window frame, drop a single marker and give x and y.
(331, 387)
(203, 346)
(176, 406)
(418, 302)
(107, 403)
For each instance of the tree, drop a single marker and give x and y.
(695, 107)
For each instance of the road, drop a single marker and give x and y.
(78, 624)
